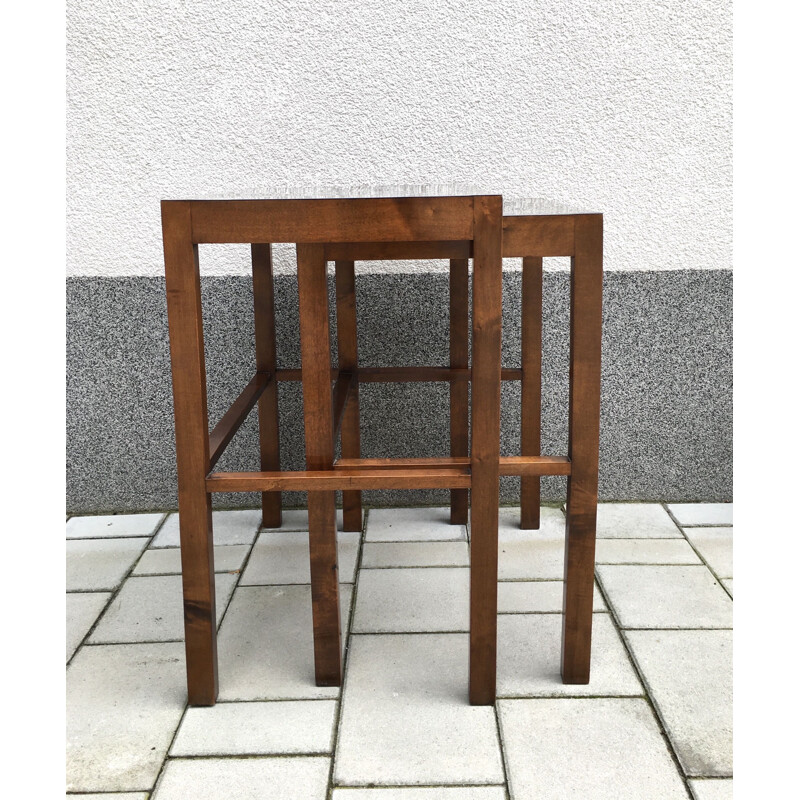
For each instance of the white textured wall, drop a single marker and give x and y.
(619, 106)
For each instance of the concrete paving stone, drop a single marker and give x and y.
(689, 678)
(412, 524)
(551, 520)
(689, 514)
(530, 597)
(529, 659)
(244, 779)
(530, 555)
(635, 521)
(230, 527)
(712, 789)
(406, 719)
(666, 597)
(124, 703)
(167, 560)
(123, 526)
(82, 612)
(109, 796)
(296, 519)
(645, 551)
(715, 545)
(266, 647)
(600, 748)
(415, 554)
(728, 584)
(281, 557)
(150, 609)
(412, 600)
(424, 793)
(283, 726)
(100, 564)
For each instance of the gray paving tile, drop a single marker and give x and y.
(406, 719)
(266, 647)
(423, 793)
(635, 521)
(529, 659)
(412, 524)
(415, 554)
(712, 789)
(112, 525)
(230, 527)
(551, 520)
(702, 513)
(283, 726)
(124, 703)
(689, 677)
(599, 748)
(715, 545)
(728, 584)
(666, 597)
(82, 612)
(530, 555)
(244, 779)
(100, 564)
(150, 609)
(530, 597)
(167, 561)
(109, 796)
(282, 557)
(645, 551)
(296, 519)
(412, 600)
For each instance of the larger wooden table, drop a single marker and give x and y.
(398, 224)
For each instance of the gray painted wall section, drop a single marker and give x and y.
(666, 428)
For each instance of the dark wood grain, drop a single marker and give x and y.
(487, 296)
(396, 251)
(459, 390)
(531, 404)
(267, 361)
(192, 449)
(317, 403)
(342, 397)
(347, 343)
(538, 236)
(584, 437)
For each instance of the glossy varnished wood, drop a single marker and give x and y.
(347, 343)
(192, 450)
(459, 390)
(487, 295)
(584, 439)
(317, 414)
(266, 361)
(531, 402)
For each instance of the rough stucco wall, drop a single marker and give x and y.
(620, 106)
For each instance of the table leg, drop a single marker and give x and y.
(487, 312)
(266, 361)
(317, 400)
(530, 435)
(347, 339)
(191, 442)
(459, 390)
(584, 437)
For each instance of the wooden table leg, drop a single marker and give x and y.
(317, 399)
(266, 361)
(584, 439)
(487, 312)
(191, 443)
(530, 436)
(459, 390)
(347, 340)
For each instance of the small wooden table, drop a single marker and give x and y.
(396, 224)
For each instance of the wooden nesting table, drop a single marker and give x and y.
(398, 224)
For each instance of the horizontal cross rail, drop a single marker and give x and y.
(509, 465)
(403, 374)
(226, 428)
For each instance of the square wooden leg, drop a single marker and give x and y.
(530, 433)
(317, 411)
(584, 439)
(487, 298)
(266, 361)
(347, 340)
(191, 441)
(459, 390)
